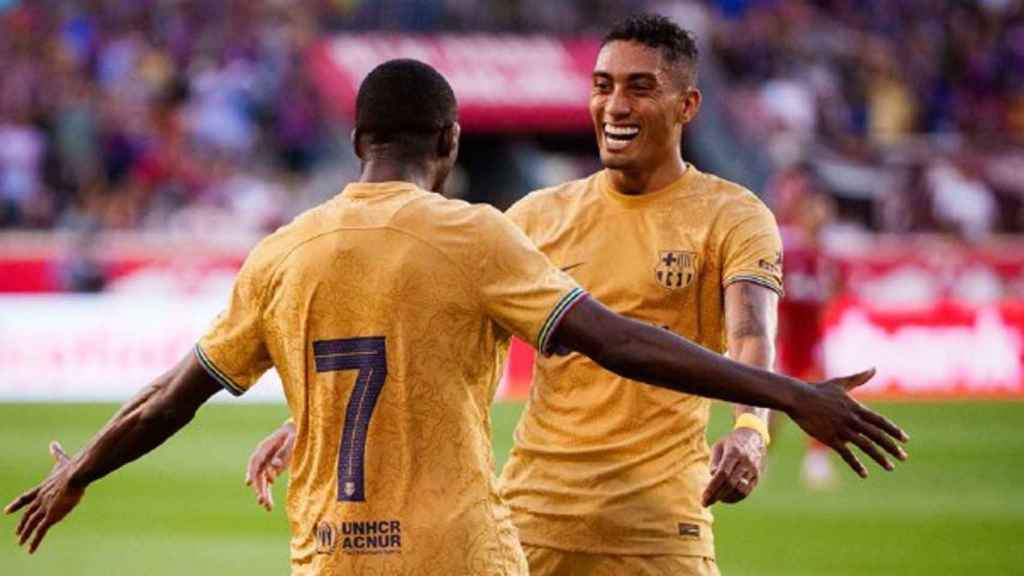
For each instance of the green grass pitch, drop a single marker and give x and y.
(954, 508)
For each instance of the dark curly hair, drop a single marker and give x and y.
(677, 45)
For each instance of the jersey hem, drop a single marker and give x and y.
(215, 372)
(704, 549)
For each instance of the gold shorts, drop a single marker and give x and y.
(550, 562)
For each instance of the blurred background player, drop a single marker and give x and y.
(804, 213)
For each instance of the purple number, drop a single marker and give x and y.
(369, 357)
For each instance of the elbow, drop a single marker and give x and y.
(163, 417)
(757, 351)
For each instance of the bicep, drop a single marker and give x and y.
(611, 340)
(751, 312)
(194, 384)
(588, 328)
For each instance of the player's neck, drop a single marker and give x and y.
(636, 182)
(419, 174)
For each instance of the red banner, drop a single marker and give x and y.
(504, 83)
(934, 343)
(916, 269)
(942, 350)
(515, 385)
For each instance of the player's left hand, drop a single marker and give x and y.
(737, 461)
(48, 503)
(271, 457)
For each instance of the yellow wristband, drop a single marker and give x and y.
(748, 420)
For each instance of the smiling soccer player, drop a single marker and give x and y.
(605, 476)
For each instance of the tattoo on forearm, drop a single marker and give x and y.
(752, 319)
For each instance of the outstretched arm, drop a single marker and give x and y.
(642, 352)
(142, 424)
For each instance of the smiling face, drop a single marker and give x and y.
(638, 107)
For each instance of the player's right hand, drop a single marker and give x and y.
(837, 420)
(270, 458)
(48, 503)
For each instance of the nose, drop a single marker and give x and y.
(618, 105)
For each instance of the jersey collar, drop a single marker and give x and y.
(680, 186)
(370, 189)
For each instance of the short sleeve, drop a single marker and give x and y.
(519, 287)
(233, 350)
(752, 250)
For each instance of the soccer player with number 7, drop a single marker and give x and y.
(385, 311)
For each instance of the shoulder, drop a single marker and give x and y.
(432, 215)
(276, 246)
(551, 202)
(461, 231)
(731, 195)
(560, 193)
(280, 245)
(735, 204)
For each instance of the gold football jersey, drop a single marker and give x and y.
(386, 312)
(601, 464)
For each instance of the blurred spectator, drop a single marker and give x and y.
(122, 114)
(177, 113)
(906, 206)
(81, 270)
(963, 203)
(871, 91)
(22, 146)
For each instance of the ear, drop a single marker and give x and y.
(448, 141)
(355, 136)
(688, 105)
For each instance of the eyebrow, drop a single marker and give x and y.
(630, 78)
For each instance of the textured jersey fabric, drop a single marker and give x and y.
(386, 312)
(601, 464)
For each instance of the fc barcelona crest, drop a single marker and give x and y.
(676, 269)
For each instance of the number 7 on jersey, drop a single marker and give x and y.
(369, 357)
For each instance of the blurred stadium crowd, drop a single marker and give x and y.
(117, 114)
(911, 113)
(176, 114)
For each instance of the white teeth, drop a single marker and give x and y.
(616, 144)
(621, 130)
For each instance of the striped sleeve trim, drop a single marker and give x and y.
(216, 374)
(567, 302)
(759, 280)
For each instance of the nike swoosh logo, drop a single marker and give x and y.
(571, 266)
